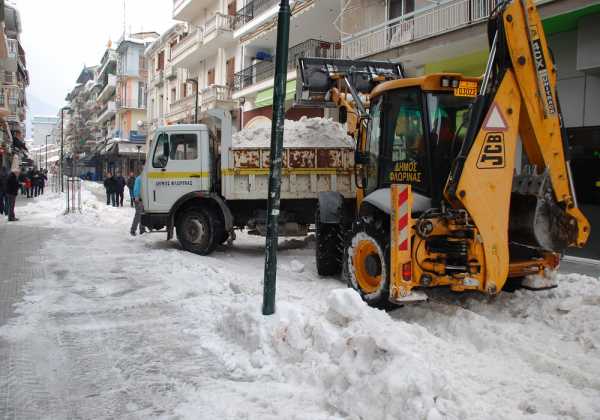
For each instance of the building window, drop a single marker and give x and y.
(230, 70)
(172, 47)
(211, 77)
(184, 89)
(161, 61)
(173, 95)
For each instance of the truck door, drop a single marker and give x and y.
(176, 169)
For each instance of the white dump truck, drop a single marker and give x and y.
(204, 182)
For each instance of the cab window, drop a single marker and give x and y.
(184, 147)
(405, 160)
(161, 151)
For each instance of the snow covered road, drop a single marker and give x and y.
(120, 327)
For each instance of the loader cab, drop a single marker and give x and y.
(415, 131)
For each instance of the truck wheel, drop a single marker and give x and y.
(197, 231)
(329, 248)
(366, 268)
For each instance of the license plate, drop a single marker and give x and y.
(466, 88)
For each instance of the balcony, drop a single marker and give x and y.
(180, 110)
(203, 41)
(130, 104)
(421, 24)
(265, 70)
(216, 96)
(157, 79)
(252, 10)
(109, 59)
(108, 90)
(170, 72)
(187, 10)
(107, 112)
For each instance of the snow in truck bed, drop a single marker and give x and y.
(306, 132)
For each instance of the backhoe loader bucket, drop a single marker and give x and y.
(536, 219)
(316, 77)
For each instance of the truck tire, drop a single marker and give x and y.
(329, 249)
(199, 230)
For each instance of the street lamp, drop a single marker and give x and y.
(47, 135)
(62, 144)
(195, 82)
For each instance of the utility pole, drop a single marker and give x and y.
(195, 82)
(62, 145)
(281, 64)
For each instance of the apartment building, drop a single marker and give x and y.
(14, 79)
(106, 87)
(170, 98)
(229, 48)
(132, 73)
(43, 126)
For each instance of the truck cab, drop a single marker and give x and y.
(179, 163)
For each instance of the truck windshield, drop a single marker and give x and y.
(448, 122)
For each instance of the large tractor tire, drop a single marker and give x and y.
(329, 248)
(366, 267)
(199, 230)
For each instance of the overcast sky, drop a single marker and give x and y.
(60, 36)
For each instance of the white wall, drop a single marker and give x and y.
(578, 92)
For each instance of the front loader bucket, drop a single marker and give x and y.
(536, 219)
(316, 77)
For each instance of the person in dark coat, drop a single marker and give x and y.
(120, 181)
(130, 185)
(3, 198)
(110, 184)
(12, 189)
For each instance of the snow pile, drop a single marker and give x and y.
(307, 132)
(366, 365)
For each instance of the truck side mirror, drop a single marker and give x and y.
(361, 158)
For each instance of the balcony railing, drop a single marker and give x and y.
(193, 38)
(421, 24)
(251, 10)
(215, 93)
(218, 22)
(264, 70)
(130, 104)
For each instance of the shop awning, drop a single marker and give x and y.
(265, 97)
(131, 149)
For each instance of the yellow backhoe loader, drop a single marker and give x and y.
(461, 182)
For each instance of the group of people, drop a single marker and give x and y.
(115, 191)
(33, 182)
(10, 184)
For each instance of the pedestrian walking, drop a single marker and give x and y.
(28, 188)
(12, 189)
(3, 198)
(130, 185)
(43, 179)
(120, 181)
(111, 190)
(139, 207)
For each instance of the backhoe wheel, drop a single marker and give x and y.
(329, 249)
(198, 230)
(366, 268)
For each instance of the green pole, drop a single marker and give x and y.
(281, 64)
